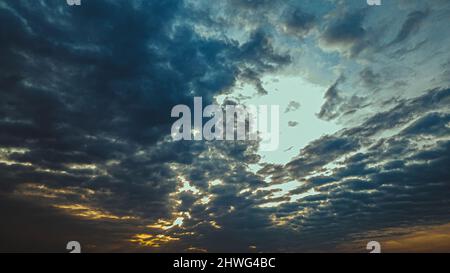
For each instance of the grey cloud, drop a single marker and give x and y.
(332, 101)
(402, 113)
(347, 31)
(292, 123)
(251, 4)
(298, 22)
(380, 183)
(435, 124)
(336, 105)
(94, 87)
(260, 57)
(292, 106)
(411, 25)
(370, 78)
(319, 153)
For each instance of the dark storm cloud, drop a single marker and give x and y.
(94, 85)
(84, 102)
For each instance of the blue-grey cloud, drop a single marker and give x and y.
(85, 151)
(411, 25)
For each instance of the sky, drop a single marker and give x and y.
(86, 152)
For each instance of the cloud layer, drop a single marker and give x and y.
(85, 148)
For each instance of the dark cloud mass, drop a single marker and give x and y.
(85, 148)
(299, 22)
(347, 30)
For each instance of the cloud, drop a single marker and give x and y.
(292, 106)
(375, 184)
(411, 25)
(370, 78)
(251, 4)
(298, 22)
(292, 123)
(319, 153)
(433, 124)
(88, 98)
(347, 32)
(85, 152)
(346, 29)
(402, 113)
(336, 105)
(260, 58)
(332, 101)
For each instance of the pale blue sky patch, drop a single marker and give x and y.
(282, 91)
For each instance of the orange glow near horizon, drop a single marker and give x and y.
(150, 240)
